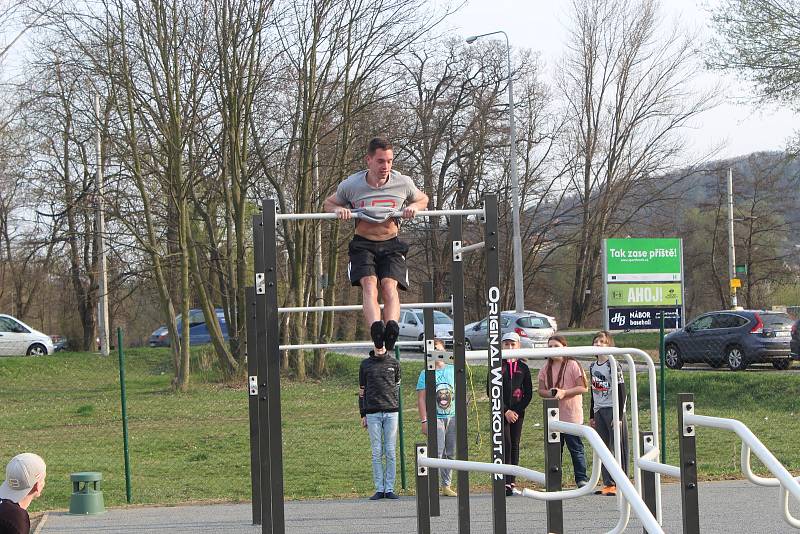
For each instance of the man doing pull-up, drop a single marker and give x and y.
(377, 256)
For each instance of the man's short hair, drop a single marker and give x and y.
(378, 143)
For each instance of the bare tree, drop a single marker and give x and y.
(626, 87)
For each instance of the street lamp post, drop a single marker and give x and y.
(731, 246)
(519, 295)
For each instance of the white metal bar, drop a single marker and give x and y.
(483, 467)
(357, 307)
(354, 344)
(356, 215)
(762, 452)
(649, 462)
(470, 248)
(628, 490)
(787, 516)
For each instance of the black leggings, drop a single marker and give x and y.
(512, 432)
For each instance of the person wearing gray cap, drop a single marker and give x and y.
(25, 478)
(517, 394)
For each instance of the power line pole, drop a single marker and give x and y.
(731, 245)
(102, 301)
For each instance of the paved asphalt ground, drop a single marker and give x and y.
(725, 507)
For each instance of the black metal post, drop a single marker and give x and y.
(271, 358)
(495, 377)
(252, 383)
(460, 371)
(688, 465)
(552, 466)
(259, 356)
(423, 497)
(430, 399)
(648, 477)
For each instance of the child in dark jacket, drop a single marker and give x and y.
(517, 394)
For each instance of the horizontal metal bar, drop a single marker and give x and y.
(746, 435)
(358, 307)
(579, 353)
(354, 344)
(657, 467)
(483, 467)
(423, 213)
(470, 248)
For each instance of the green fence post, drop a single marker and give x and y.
(663, 392)
(124, 416)
(400, 425)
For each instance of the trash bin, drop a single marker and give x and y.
(86, 498)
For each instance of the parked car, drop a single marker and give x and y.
(198, 329)
(59, 343)
(533, 328)
(794, 343)
(17, 339)
(735, 338)
(412, 326)
(550, 319)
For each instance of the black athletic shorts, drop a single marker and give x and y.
(384, 259)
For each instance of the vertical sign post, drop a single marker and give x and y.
(494, 361)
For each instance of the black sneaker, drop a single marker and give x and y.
(390, 495)
(378, 496)
(390, 334)
(376, 332)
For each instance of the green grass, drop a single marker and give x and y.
(195, 446)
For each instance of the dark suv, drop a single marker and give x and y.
(794, 344)
(736, 338)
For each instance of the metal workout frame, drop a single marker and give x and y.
(648, 512)
(263, 353)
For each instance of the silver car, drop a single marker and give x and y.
(412, 327)
(533, 330)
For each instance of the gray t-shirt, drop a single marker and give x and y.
(355, 193)
(602, 384)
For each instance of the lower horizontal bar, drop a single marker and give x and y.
(657, 467)
(358, 307)
(354, 344)
(484, 467)
(470, 248)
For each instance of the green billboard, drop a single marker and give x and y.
(644, 294)
(643, 260)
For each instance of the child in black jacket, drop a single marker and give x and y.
(517, 394)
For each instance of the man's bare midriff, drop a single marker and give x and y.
(377, 231)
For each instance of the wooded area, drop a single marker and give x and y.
(207, 107)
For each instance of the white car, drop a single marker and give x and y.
(17, 338)
(550, 319)
(413, 329)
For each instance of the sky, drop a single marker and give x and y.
(734, 128)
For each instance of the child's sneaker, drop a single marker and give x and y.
(447, 491)
(609, 490)
(376, 332)
(390, 334)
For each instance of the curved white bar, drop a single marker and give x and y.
(330, 215)
(483, 467)
(787, 516)
(358, 307)
(649, 462)
(354, 344)
(568, 494)
(787, 481)
(623, 484)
